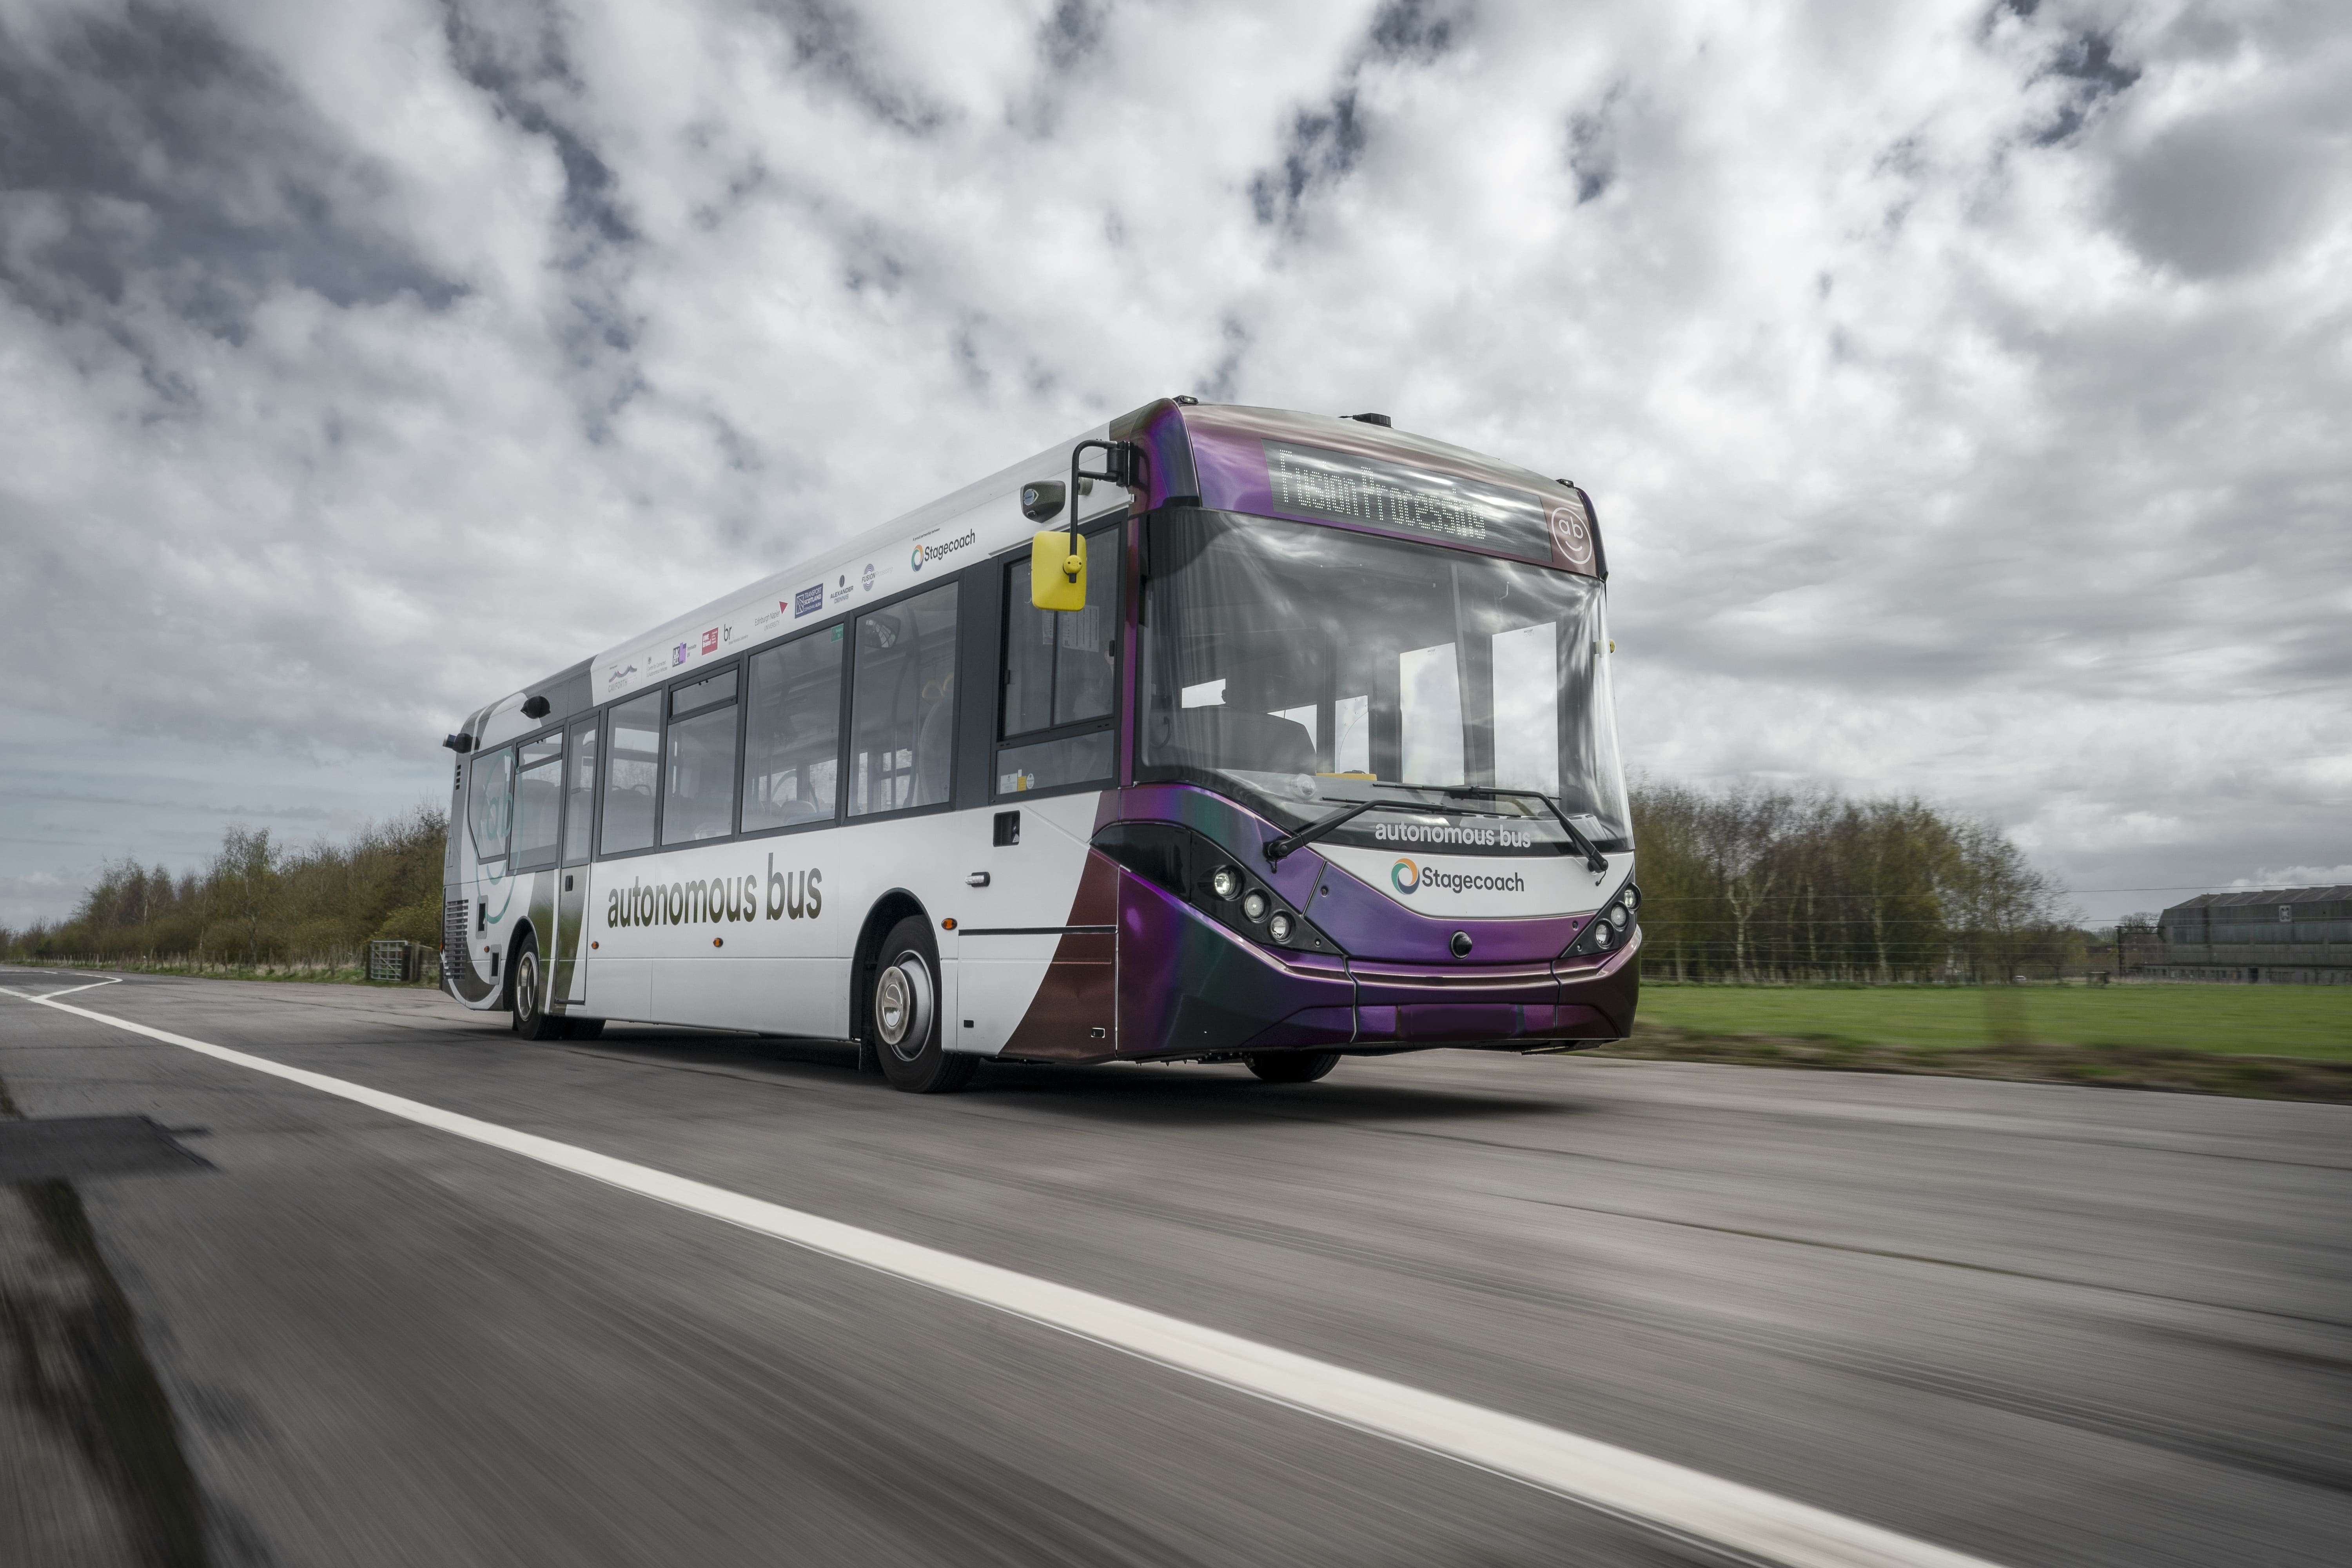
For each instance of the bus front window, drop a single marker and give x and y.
(1312, 667)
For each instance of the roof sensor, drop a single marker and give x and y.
(1379, 419)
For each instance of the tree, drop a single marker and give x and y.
(244, 884)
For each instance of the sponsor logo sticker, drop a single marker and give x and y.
(1571, 534)
(710, 640)
(807, 600)
(865, 579)
(679, 654)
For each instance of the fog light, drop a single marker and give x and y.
(1618, 917)
(1226, 882)
(1255, 905)
(1279, 928)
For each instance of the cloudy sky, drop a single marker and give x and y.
(1965, 388)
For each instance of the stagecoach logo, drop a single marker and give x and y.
(1410, 876)
(787, 895)
(1571, 534)
(808, 601)
(925, 554)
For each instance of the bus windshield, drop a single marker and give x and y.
(1314, 669)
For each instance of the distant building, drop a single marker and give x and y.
(2283, 936)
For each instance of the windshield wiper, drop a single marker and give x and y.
(1594, 862)
(1307, 835)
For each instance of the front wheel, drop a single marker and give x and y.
(902, 1014)
(1292, 1067)
(530, 1017)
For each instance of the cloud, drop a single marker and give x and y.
(1961, 386)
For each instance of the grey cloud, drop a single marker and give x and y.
(1323, 145)
(148, 155)
(825, 41)
(2225, 193)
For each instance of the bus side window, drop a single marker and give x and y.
(489, 803)
(792, 734)
(632, 771)
(902, 704)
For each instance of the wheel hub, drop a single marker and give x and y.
(902, 1007)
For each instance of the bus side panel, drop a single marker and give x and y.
(1074, 1015)
(1011, 935)
(807, 996)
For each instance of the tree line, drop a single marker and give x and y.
(1753, 883)
(257, 902)
(1740, 884)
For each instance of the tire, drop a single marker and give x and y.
(902, 1014)
(1292, 1067)
(583, 1028)
(532, 1020)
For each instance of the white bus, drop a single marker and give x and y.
(1218, 733)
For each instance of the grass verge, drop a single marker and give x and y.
(2270, 1042)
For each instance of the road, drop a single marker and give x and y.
(2036, 1324)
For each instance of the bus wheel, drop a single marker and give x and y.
(1292, 1067)
(902, 1013)
(531, 1018)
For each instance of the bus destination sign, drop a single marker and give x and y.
(1345, 487)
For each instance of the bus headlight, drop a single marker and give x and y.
(1600, 935)
(1225, 883)
(1618, 917)
(1278, 928)
(1256, 905)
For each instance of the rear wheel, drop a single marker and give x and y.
(1292, 1067)
(902, 1014)
(530, 1017)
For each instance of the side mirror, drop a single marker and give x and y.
(1040, 500)
(1057, 570)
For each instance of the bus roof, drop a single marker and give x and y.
(1272, 462)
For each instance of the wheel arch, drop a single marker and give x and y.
(523, 930)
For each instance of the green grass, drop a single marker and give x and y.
(2310, 1022)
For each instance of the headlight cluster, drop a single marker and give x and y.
(1611, 928)
(1212, 880)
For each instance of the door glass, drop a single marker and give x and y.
(631, 775)
(580, 800)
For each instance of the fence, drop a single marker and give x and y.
(403, 963)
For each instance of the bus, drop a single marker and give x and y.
(1218, 733)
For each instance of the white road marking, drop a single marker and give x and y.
(1600, 1476)
(69, 990)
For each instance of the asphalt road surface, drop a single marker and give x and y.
(270, 1325)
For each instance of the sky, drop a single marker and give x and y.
(1963, 388)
